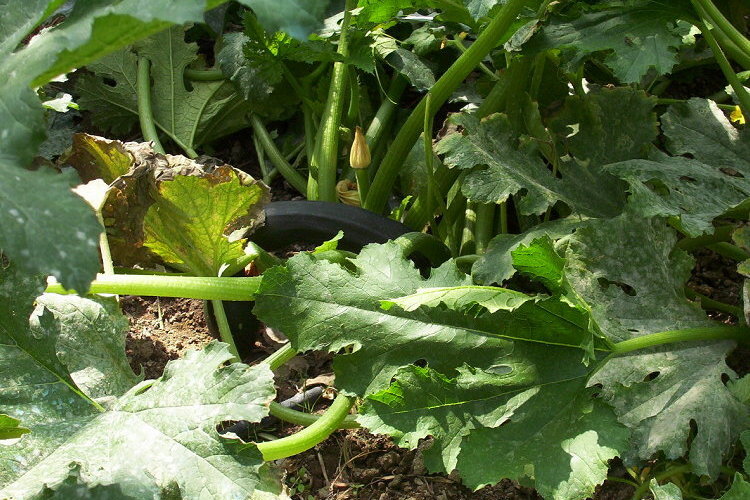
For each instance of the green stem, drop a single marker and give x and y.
(326, 154)
(281, 356)
(739, 333)
(385, 112)
(468, 245)
(422, 211)
(711, 304)
(302, 418)
(309, 436)
(260, 258)
(189, 287)
(664, 101)
(363, 181)
(742, 95)
(145, 115)
(293, 177)
(225, 331)
(708, 10)
(204, 75)
(504, 218)
(107, 263)
(729, 251)
(740, 57)
(441, 91)
(483, 230)
(459, 44)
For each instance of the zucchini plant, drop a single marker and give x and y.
(571, 176)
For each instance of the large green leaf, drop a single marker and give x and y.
(403, 61)
(715, 178)
(162, 434)
(193, 216)
(562, 438)
(509, 171)
(182, 113)
(489, 352)
(320, 305)
(632, 279)
(636, 35)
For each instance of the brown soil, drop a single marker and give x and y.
(162, 329)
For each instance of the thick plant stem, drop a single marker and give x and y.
(739, 333)
(145, 115)
(483, 229)
(441, 91)
(708, 10)
(291, 175)
(301, 418)
(385, 112)
(189, 287)
(309, 436)
(281, 356)
(468, 245)
(326, 154)
(742, 95)
(225, 331)
(363, 181)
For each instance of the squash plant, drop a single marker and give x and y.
(557, 337)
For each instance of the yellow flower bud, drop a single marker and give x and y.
(347, 193)
(359, 156)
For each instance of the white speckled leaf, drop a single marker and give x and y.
(503, 170)
(161, 434)
(697, 189)
(627, 271)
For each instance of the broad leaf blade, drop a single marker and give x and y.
(510, 170)
(634, 289)
(10, 428)
(320, 305)
(696, 189)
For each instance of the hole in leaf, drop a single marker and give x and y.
(499, 369)
(724, 378)
(109, 81)
(685, 178)
(731, 172)
(422, 363)
(605, 283)
(651, 376)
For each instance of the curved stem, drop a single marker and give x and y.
(309, 436)
(441, 91)
(729, 251)
(281, 356)
(708, 10)
(189, 287)
(713, 305)
(301, 418)
(145, 115)
(739, 333)
(204, 75)
(277, 159)
(225, 331)
(327, 150)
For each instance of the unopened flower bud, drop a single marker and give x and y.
(359, 156)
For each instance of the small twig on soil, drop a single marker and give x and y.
(323, 469)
